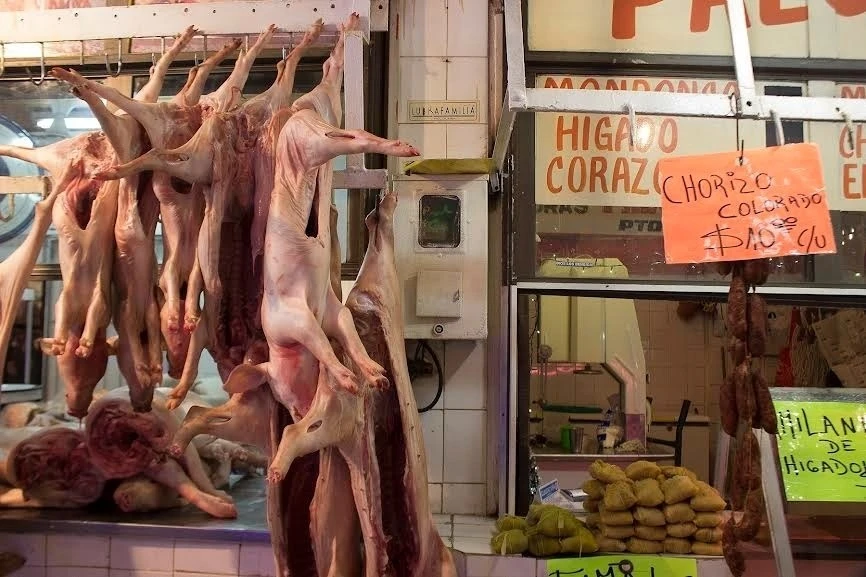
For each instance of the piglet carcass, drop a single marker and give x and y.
(379, 433)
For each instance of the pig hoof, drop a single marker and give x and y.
(175, 451)
(173, 324)
(346, 380)
(172, 403)
(275, 476)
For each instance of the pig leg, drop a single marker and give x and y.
(338, 324)
(98, 316)
(337, 142)
(195, 286)
(190, 96)
(171, 474)
(225, 97)
(198, 475)
(15, 270)
(150, 91)
(364, 471)
(332, 419)
(154, 342)
(299, 325)
(190, 368)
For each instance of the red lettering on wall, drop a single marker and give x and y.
(772, 13)
(854, 92)
(700, 18)
(851, 188)
(848, 8)
(625, 17)
(564, 83)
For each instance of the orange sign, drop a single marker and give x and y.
(772, 203)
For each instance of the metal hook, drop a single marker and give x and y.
(742, 148)
(195, 59)
(119, 59)
(780, 132)
(152, 59)
(162, 45)
(2, 58)
(204, 44)
(247, 43)
(41, 67)
(849, 128)
(284, 52)
(81, 52)
(629, 108)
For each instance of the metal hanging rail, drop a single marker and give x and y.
(216, 18)
(747, 104)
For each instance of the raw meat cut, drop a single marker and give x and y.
(141, 495)
(15, 270)
(85, 221)
(51, 466)
(379, 434)
(123, 442)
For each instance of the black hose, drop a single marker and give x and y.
(419, 355)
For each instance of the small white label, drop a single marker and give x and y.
(548, 491)
(457, 111)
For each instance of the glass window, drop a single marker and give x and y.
(439, 225)
(595, 191)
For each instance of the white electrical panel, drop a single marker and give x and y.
(440, 230)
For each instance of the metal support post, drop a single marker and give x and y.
(742, 58)
(775, 505)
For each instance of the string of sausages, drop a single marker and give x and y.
(745, 403)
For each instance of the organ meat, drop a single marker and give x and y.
(85, 221)
(51, 466)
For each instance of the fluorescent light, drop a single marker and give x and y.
(45, 123)
(81, 123)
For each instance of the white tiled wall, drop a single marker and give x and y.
(100, 556)
(443, 56)
(455, 429)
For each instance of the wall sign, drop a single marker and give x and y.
(769, 202)
(789, 28)
(626, 565)
(457, 111)
(822, 445)
(588, 159)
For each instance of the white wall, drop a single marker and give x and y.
(442, 55)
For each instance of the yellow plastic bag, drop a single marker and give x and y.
(642, 470)
(617, 531)
(707, 520)
(643, 546)
(510, 522)
(649, 516)
(556, 523)
(650, 533)
(681, 530)
(678, 489)
(593, 488)
(670, 471)
(580, 544)
(606, 473)
(608, 545)
(619, 496)
(678, 546)
(593, 520)
(617, 517)
(712, 549)
(591, 505)
(708, 535)
(707, 499)
(648, 493)
(511, 542)
(541, 546)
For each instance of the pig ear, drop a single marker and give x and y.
(340, 134)
(245, 378)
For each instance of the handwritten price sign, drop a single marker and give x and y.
(626, 565)
(821, 450)
(773, 204)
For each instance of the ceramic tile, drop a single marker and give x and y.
(467, 80)
(421, 79)
(432, 423)
(475, 520)
(440, 518)
(137, 573)
(463, 498)
(76, 572)
(465, 366)
(141, 554)
(425, 387)
(445, 530)
(473, 545)
(29, 572)
(422, 27)
(257, 560)
(498, 566)
(31, 546)
(206, 557)
(473, 531)
(429, 139)
(467, 28)
(73, 551)
(434, 491)
(464, 439)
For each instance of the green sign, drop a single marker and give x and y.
(822, 450)
(624, 565)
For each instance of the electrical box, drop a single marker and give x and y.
(440, 232)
